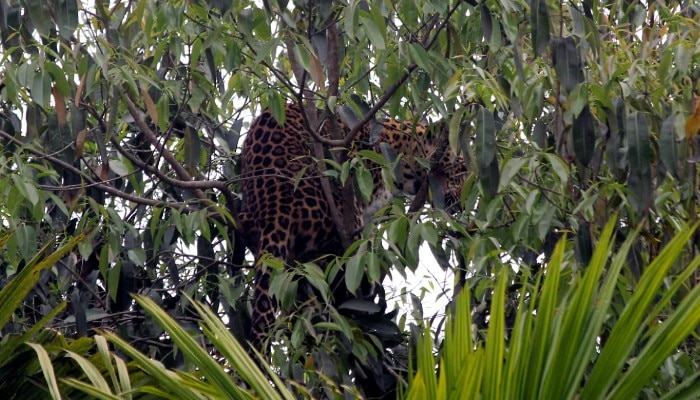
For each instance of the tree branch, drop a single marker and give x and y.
(180, 171)
(107, 188)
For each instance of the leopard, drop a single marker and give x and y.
(285, 213)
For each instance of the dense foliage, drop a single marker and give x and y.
(120, 127)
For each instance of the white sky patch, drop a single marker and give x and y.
(433, 285)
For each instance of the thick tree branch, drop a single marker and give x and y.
(202, 185)
(310, 114)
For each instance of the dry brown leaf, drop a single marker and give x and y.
(104, 172)
(80, 143)
(61, 112)
(79, 90)
(692, 124)
(150, 106)
(317, 72)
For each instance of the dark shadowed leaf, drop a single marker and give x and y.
(639, 155)
(348, 115)
(486, 23)
(489, 178)
(320, 43)
(668, 148)
(539, 134)
(539, 19)
(192, 148)
(364, 306)
(485, 144)
(638, 139)
(79, 313)
(39, 12)
(66, 17)
(438, 196)
(584, 136)
(567, 62)
(9, 24)
(381, 326)
(583, 244)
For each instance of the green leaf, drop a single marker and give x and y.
(455, 131)
(118, 167)
(137, 256)
(560, 169)
(26, 189)
(59, 78)
(354, 271)
(41, 88)
(626, 333)
(16, 290)
(376, 157)
(91, 372)
(350, 19)
(495, 343)
(512, 167)
(90, 390)
(373, 33)
(579, 323)
(545, 324)
(374, 267)
(113, 280)
(39, 11)
(220, 335)
(10, 346)
(275, 103)
(365, 182)
(167, 380)
(426, 363)
(47, 369)
(397, 232)
(419, 56)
